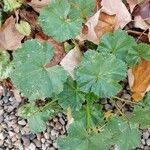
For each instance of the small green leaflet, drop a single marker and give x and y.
(79, 139)
(141, 116)
(118, 43)
(5, 67)
(10, 5)
(56, 21)
(37, 116)
(96, 117)
(23, 27)
(71, 96)
(31, 76)
(125, 135)
(100, 74)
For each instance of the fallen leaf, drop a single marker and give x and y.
(106, 23)
(139, 80)
(118, 8)
(38, 4)
(59, 52)
(71, 60)
(10, 38)
(142, 16)
(96, 26)
(111, 16)
(132, 4)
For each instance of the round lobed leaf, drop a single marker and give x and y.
(30, 74)
(100, 74)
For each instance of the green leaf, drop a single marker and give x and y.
(141, 115)
(96, 117)
(146, 100)
(10, 5)
(125, 135)
(31, 76)
(37, 116)
(139, 51)
(56, 21)
(71, 96)
(100, 74)
(83, 8)
(23, 27)
(79, 139)
(118, 43)
(5, 67)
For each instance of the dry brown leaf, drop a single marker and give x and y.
(37, 5)
(106, 23)
(111, 16)
(142, 16)
(10, 38)
(118, 8)
(59, 52)
(71, 60)
(96, 26)
(70, 119)
(139, 80)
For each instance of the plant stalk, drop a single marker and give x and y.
(88, 114)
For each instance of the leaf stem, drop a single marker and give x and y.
(124, 100)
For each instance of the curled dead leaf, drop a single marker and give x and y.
(10, 38)
(118, 8)
(110, 16)
(139, 80)
(71, 60)
(96, 26)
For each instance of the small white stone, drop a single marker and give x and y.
(2, 137)
(145, 135)
(22, 122)
(32, 146)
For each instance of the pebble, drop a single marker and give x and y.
(32, 146)
(145, 135)
(22, 122)
(148, 142)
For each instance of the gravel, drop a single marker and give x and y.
(16, 135)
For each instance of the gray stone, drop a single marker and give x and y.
(43, 140)
(143, 141)
(148, 142)
(37, 143)
(108, 106)
(52, 148)
(32, 146)
(46, 135)
(53, 132)
(62, 121)
(145, 135)
(146, 148)
(2, 136)
(1, 112)
(26, 141)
